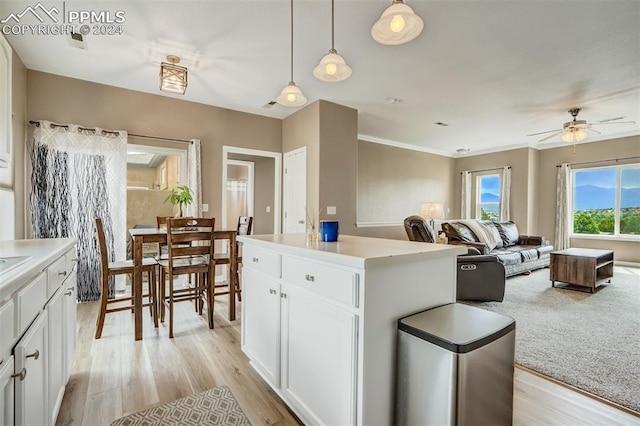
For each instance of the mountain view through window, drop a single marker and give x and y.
(488, 205)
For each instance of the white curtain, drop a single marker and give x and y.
(194, 178)
(505, 195)
(562, 208)
(465, 202)
(77, 175)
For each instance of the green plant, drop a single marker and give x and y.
(181, 195)
(583, 223)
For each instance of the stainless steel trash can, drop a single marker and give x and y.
(455, 367)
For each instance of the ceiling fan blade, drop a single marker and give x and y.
(613, 119)
(551, 136)
(543, 133)
(593, 130)
(613, 122)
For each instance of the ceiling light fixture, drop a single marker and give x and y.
(173, 78)
(574, 135)
(291, 95)
(398, 24)
(332, 66)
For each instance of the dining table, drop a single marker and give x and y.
(141, 236)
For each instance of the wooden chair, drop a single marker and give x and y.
(109, 269)
(190, 250)
(244, 227)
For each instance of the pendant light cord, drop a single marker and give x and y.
(332, 37)
(292, 41)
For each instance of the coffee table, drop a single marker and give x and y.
(581, 267)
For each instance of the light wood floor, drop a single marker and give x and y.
(115, 376)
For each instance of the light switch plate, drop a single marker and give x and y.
(268, 209)
(205, 207)
(331, 209)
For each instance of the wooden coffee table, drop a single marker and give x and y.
(581, 267)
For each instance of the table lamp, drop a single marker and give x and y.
(432, 211)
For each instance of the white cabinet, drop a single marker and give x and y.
(320, 320)
(319, 347)
(69, 309)
(6, 391)
(55, 354)
(31, 389)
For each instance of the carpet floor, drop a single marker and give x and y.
(215, 406)
(590, 341)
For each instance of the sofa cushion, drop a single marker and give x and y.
(544, 249)
(491, 227)
(507, 257)
(458, 231)
(508, 232)
(529, 254)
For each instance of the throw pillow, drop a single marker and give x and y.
(508, 232)
(491, 227)
(459, 232)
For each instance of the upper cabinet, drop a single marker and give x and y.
(5, 103)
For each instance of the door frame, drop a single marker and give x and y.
(277, 180)
(284, 186)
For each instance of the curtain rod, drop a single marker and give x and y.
(159, 138)
(600, 161)
(66, 127)
(486, 170)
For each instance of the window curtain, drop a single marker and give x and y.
(465, 203)
(505, 195)
(77, 175)
(194, 178)
(562, 208)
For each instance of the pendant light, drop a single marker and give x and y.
(291, 95)
(173, 78)
(332, 66)
(398, 24)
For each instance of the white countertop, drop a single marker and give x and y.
(351, 250)
(43, 252)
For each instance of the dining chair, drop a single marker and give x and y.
(190, 251)
(110, 269)
(244, 227)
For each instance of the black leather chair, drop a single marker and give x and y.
(480, 278)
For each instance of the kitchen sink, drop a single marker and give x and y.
(8, 263)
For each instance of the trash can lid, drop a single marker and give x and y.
(457, 327)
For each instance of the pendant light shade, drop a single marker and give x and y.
(397, 25)
(291, 95)
(574, 135)
(332, 66)
(173, 78)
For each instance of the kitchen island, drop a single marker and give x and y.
(319, 319)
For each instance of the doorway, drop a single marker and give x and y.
(240, 186)
(295, 191)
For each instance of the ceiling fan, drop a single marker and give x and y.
(576, 130)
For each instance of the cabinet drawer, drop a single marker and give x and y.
(56, 273)
(7, 330)
(265, 261)
(30, 301)
(333, 283)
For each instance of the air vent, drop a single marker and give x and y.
(440, 123)
(77, 41)
(269, 105)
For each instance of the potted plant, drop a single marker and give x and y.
(182, 196)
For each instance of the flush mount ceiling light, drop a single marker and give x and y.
(291, 95)
(397, 25)
(173, 78)
(332, 66)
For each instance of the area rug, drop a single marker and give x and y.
(215, 406)
(590, 341)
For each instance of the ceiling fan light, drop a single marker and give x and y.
(398, 24)
(568, 137)
(332, 68)
(291, 96)
(580, 135)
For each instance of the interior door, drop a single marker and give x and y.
(295, 191)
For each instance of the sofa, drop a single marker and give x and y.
(518, 253)
(480, 278)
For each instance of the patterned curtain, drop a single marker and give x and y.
(76, 176)
(465, 202)
(194, 178)
(505, 195)
(562, 208)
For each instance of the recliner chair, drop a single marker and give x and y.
(480, 278)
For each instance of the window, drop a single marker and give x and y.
(606, 200)
(488, 197)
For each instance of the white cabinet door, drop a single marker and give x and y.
(319, 356)
(70, 309)
(31, 393)
(55, 354)
(6, 391)
(261, 323)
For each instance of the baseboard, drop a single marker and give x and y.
(624, 263)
